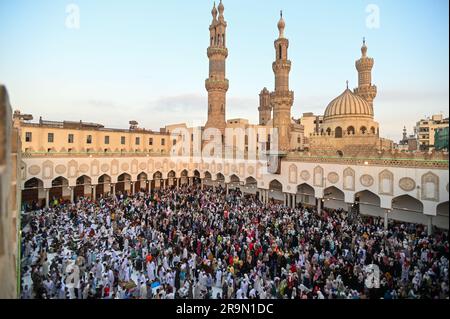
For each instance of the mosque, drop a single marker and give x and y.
(344, 163)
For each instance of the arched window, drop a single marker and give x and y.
(328, 131)
(350, 130)
(372, 130)
(338, 132)
(280, 52)
(363, 130)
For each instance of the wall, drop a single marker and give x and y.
(9, 199)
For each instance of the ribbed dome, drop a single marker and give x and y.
(348, 104)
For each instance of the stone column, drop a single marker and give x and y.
(386, 219)
(113, 189)
(47, 198)
(201, 184)
(319, 205)
(132, 188)
(191, 181)
(430, 226)
(94, 191)
(228, 189)
(72, 194)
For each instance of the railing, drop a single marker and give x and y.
(92, 154)
(372, 161)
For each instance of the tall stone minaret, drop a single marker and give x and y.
(265, 110)
(364, 66)
(282, 99)
(217, 85)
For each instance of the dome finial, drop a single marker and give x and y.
(364, 48)
(347, 84)
(214, 12)
(281, 25)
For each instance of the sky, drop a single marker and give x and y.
(146, 60)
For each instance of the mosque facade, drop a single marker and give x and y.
(345, 163)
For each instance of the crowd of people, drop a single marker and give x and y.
(193, 243)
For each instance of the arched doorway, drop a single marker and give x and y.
(123, 184)
(220, 179)
(33, 193)
(142, 182)
(368, 203)
(171, 177)
(235, 182)
(184, 177)
(251, 186)
(83, 187)
(334, 198)
(408, 209)
(60, 190)
(157, 180)
(276, 191)
(197, 178)
(306, 194)
(104, 186)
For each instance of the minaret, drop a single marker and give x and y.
(265, 110)
(282, 99)
(364, 66)
(217, 85)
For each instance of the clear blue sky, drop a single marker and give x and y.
(146, 60)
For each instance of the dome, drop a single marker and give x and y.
(348, 104)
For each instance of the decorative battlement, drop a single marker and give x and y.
(365, 64)
(217, 85)
(215, 50)
(280, 97)
(281, 65)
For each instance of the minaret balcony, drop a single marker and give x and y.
(282, 65)
(364, 64)
(282, 97)
(217, 50)
(217, 85)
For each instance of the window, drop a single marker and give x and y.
(122, 140)
(28, 137)
(150, 141)
(163, 141)
(174, 142)
(138, 140)
(89, 139)
(299, 140)
(107, 140)
(51, 137)
(70, 138)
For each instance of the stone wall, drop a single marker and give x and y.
(9, 199)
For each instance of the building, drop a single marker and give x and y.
(408, 143)
(346, 164)
(425, 130)
(441, 139)
(348, 125)
(10, 184)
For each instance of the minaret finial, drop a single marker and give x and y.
(281, 13)
(364, 40)
(347, 84)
